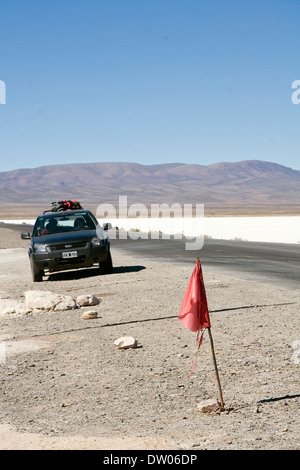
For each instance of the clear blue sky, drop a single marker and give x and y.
(149, 81)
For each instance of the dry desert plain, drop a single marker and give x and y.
(64, 385)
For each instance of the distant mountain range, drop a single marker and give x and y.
(245, 182)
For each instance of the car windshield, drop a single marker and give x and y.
(49, 224)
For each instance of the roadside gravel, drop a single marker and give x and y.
(64, 385)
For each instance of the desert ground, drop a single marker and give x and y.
(29, 211)
(65, 385)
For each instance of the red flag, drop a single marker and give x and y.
(194, 310)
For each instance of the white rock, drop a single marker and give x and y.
(208, 406)
(87, 300)
(89, 314)
(8, 306)
(46, 300)
(125, 342)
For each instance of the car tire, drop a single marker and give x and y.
(37, 274)
(107, 266)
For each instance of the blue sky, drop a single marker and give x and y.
(149, 81)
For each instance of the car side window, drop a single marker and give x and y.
(39, 226)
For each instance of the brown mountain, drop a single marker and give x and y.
(247, 182)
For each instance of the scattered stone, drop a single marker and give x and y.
(8, 306)
(38, 301)
(47, 301)
(125, 342)
(208, 406)
(87, 300)
(90, 314)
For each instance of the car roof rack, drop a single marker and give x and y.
(64, 205)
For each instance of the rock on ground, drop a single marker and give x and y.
(126, 342)
(46, 300)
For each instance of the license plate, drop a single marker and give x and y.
(69, 254)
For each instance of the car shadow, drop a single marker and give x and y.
(91, 272)
(128, 269)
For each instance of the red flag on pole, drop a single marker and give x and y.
(194, 314)
(194, 310)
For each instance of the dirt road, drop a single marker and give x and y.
(64, 385)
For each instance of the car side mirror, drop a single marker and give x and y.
(107, 226)
(25, 235)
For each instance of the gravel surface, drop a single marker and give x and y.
(64, 385)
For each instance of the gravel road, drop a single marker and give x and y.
(64, 385)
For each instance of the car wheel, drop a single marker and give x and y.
(37, 274)
(107, 266)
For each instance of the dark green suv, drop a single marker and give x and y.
(67, 240)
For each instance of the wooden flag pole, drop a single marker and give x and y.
(216, 368)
